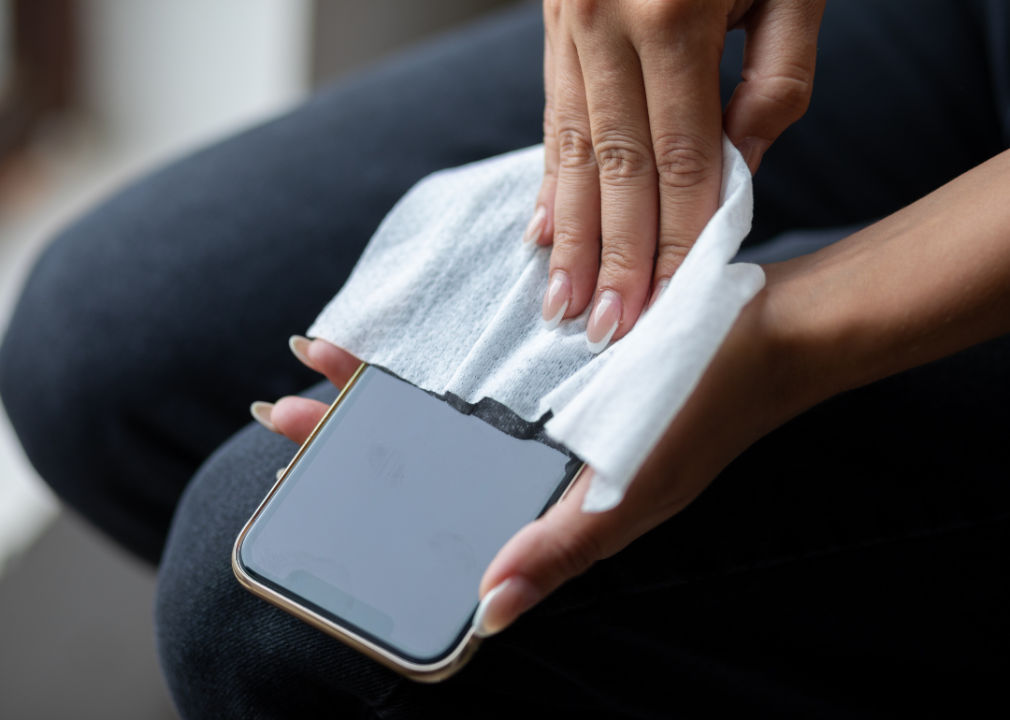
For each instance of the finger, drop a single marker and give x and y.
(541, 226)
(575, 255)
(619, 119)
(335, 363)
(681, 72)
(295, 417)
(558, 546)
(777, 76)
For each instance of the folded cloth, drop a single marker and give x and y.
(448, 297)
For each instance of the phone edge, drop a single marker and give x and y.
(424, 673)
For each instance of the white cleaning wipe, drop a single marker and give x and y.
(447, 296)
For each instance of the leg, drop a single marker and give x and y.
(854, 552)
(839, 565)
(149, 325)
(136, 294)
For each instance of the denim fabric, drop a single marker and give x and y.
(148, 325)
(852, 563)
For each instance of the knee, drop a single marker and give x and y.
(58, 363)
(75, 366)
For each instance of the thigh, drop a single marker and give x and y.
(858, 551)
(149, 325)
(850, 563)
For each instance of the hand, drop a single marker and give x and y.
(926, 282)
(740, 398)
(632, 135)
(296, 417)
(747, 391)
(897, 294)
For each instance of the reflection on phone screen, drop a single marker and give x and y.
(391, 516)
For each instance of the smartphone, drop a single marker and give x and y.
(380, 528)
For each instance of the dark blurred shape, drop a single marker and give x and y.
(43, 84)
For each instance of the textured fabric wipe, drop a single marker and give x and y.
(447, 296)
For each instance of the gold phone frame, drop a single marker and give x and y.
(420, 672)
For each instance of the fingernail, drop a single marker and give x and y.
(559, 294)
(660, 287)
(752, 149)
(505, 602)
(299, 345)
(261, 413)
(536, 225)
(280, 473)
(603, 321)
(300, 348)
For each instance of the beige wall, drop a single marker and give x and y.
(160, 77)
(351, 33)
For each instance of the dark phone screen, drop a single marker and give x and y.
(391, 516)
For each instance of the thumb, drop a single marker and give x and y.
(561, 544)
(777, 75)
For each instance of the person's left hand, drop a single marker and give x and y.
(742, 396)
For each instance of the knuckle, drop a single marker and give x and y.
(692, 30)
(681, 161)
(617, 255)
(552, 10)
(584, 11)
(567, 239)
(790, 92)
(667, 13)
(787, 90)
(575, 148)
(671, 255)
(620, 156)
(576, 552)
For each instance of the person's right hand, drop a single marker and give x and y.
(632, 135)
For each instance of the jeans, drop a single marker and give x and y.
(851, 563)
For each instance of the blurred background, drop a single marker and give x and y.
(93, 93)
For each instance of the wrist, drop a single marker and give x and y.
(810, 357)
(764, 365)
(918, 285)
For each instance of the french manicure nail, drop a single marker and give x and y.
(505, 602)
(536, 225)
(261, 413)
(603, 321)
(300, 348)
(559, 294)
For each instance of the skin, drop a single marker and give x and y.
(921, 284)
(631, 133)
(632, 137)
